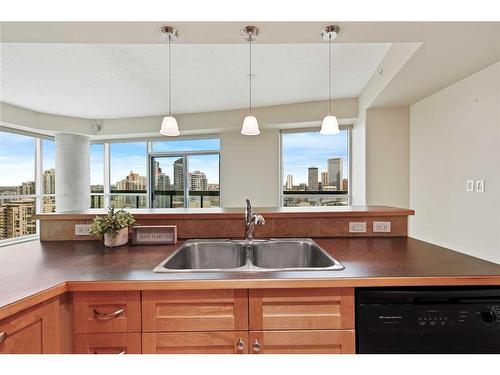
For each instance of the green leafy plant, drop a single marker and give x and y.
(111, 223)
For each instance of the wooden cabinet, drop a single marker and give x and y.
(296, 309)
(229, 342)
(302, 342)
(107, 312)
(34, 331)
(195, 310)
(108, 343)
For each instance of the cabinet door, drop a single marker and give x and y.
(302, 342)
(22, 333)
(295, 309)
(195, 310)
(108, 343)
(195, 343)
(107, 312)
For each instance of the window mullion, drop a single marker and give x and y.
(107, 179)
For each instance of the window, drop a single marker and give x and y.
(128, 175)
(48, 176)
(316, 169)
(185, 173)
(96, 176)
(18, 199)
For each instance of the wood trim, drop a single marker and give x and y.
(284, 309)
(194, 342)
(25, 332)
(303, 342)
(207, 310)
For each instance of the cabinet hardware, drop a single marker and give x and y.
(240, 345)
(113, 315)
(256, 346)
(3, 336)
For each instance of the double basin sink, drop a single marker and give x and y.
(299, 254)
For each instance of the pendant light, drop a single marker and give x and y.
(169, 125)
(250, 124)
(330, 125)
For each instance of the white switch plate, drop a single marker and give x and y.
(357, 227)
(82, 229)
(480, 186)
(382, 226)
(469, 186)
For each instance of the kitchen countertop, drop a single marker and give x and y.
(35, 271)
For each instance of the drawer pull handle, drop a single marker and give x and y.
(240, 345)
(256, 346)
(113, 315)
(122, 352)
(3, 336)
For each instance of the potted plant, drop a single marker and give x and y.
(113, 226)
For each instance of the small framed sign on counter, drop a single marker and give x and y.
(154, 234)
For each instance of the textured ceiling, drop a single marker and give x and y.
(129, 80)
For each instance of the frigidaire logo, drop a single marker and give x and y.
(390, 317)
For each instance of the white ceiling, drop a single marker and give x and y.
(102, 81)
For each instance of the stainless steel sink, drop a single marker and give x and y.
(298, 254)
(292, 254)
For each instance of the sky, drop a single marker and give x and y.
(312, 149)
(300, 151)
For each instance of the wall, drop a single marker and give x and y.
(249, 168)
(455, 136)
(388, 161)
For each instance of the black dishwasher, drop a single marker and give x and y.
(428, 320)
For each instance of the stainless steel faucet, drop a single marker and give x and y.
(251, 220)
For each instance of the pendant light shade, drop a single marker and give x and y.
(330, 125)
(169, 127)
(250, 126)
(250, 123)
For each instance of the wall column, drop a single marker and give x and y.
(72, 172)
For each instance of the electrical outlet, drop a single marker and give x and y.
(480, 186)
(469, 186)
(382, 226)
(82, 229)
(357, 227)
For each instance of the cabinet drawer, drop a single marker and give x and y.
(106, 312)
(195, 310)
(324, 308)
(22, 333)
(232, 342)
(108, 343)
(302, 342)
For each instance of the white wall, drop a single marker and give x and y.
(388, 156)
(249, 168)
(455, 136)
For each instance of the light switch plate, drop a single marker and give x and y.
(469, 186)
(357, 227)
(82, 229)
(382, 226)
(480, 186)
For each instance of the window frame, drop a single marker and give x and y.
(316, 129)
(38, 179)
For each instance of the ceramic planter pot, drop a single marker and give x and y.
(120, 239)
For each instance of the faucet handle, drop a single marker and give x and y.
(259, 220)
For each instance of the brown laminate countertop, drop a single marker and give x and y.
(31, 272)
(237, 213)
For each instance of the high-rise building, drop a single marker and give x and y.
(179, 174)
(49, 181)
(335, 173)
(345, 184)
(133, 181)
(16, 218)
(198, 181)
(312, 180)
(26, 188)
(324, 179)
(289, 182)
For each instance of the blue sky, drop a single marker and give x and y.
(311, 149)
(17, 159)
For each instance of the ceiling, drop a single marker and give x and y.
(103, 81)
(116, 69)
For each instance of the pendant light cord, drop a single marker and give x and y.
(169, 77)
(250, 76)
(329, 74)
